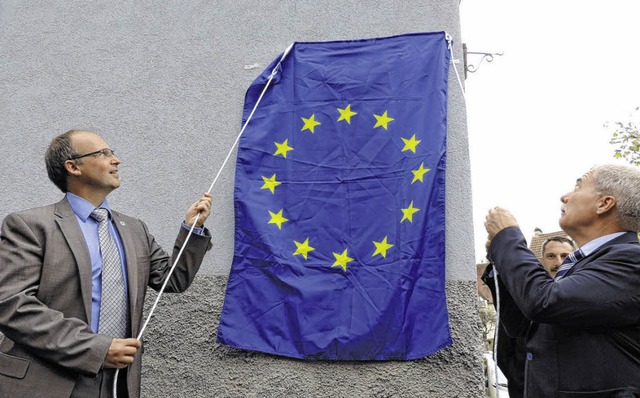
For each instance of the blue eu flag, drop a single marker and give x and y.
(340, 204)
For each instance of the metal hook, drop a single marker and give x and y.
(488, 56)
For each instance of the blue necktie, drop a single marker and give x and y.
(569, 262)
(113, 308)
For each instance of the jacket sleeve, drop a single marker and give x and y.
(34, 327)
(600, 293)
(187, 266)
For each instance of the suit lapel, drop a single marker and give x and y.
(66, 220)
(629, 237)
(130, 261)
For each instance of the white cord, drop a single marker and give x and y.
(495, 332)
(455, 68)
(273, 73)
(235, 143)
(495, 271)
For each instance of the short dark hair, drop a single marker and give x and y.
(560, 239)
(58, 152)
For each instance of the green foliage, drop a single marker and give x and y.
(627, 139)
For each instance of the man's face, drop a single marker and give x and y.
(554, 254)
(98, 172)
(579, 206)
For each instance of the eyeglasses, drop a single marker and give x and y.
(106, 152)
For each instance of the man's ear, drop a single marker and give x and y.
(72, 168)
(605, 204)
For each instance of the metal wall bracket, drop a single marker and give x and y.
(472, 68)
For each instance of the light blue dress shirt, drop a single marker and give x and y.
(593, 245)
(89, 228)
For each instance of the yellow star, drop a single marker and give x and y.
(276, 218)
(310, 123)
(346, 113)
(303, 248)
(417, 174)
(342, 260)
(270, 183)
(410, 144)
(382, 120)
(408, 212)
(382, 247)
(282, 148)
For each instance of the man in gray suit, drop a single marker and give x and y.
(53, 291)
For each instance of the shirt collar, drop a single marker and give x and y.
(591, 246)
(82, 207)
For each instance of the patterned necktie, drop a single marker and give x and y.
(569, 262)
(113, 309)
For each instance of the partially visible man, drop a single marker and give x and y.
(583, 327)
(511, 350)
(73, 279)
(554, 251)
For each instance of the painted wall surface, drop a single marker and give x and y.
(163, 82)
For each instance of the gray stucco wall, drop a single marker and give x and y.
(163, 82)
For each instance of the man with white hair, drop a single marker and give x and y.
(583, 327)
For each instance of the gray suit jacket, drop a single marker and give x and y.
(45, 297)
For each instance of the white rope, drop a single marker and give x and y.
(495, 271)
(273, 73)
(495, 332)
(235, 143)
(453, 62)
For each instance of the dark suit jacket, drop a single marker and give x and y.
(584, 335)
(45, 297)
